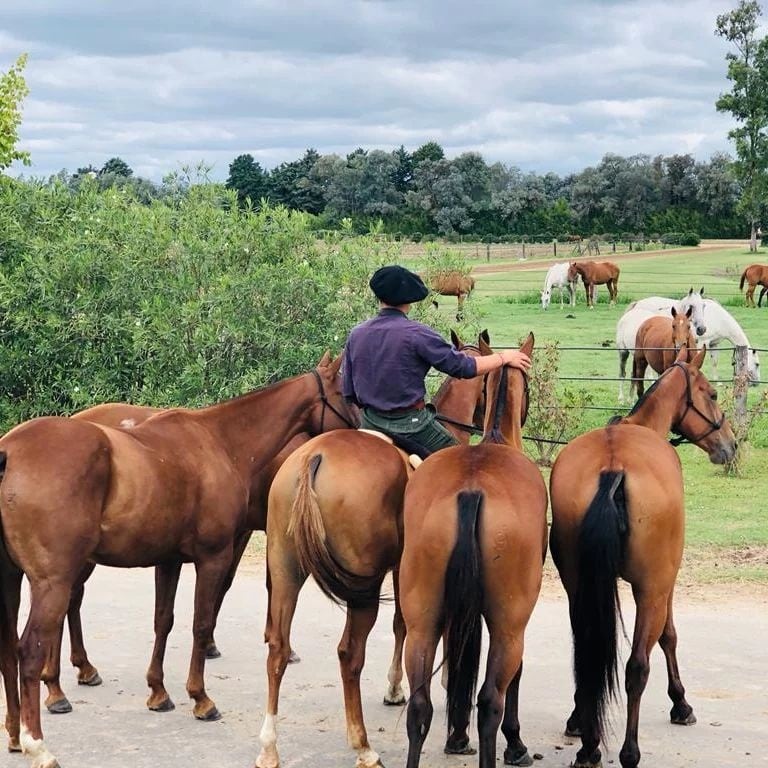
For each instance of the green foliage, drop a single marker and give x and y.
(116, 166)
(174, 303)
(13, 89)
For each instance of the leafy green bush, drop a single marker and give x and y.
(690, 238)
(185, 302)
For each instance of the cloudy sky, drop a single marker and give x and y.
(541, 84)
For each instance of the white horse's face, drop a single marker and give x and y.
(753, 367)
(545, 297)
(695, 302)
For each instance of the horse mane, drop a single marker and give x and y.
(495, 436)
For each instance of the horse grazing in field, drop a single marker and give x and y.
(335, 512)
(657, 344)
(172, 489)
(594, 273)
(754, 275)
(711, 321)
(557, 277)
(451, 283)
(475, 534)
(617, 511)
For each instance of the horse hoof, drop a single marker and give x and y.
(517, 758)
(572, 733)
(91, 681)
(166, 705)
(459, 749)
(14, 745)
(395, 701)
(212, 652)
(294, 658)
(60, 707)
(210, 716)
(689, 719)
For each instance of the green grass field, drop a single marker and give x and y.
(726, 516)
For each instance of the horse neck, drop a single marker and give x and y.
(255, 427)
(457, 399)
(657, 411)
(510, 427)
(727, 327)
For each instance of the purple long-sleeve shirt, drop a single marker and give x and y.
(387, 357)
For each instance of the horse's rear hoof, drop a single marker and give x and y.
(294, 658)
(682, 718)
(60, 707)
(212, 652)
(517, 758)
(459, 748)
(14, 745)
(210, 716)
(166, 705)
(91, 681)
(572, 732)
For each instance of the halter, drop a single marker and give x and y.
(691, 406)
(328, 404)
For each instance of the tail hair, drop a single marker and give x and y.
(312, 550)
(743, 279)
(596, 606)
(463, 600)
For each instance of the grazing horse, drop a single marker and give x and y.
(594, 273)
(335, 512)
(557, 277)
(712, 322)
(754, 275)
(617, 511)
(657, 344)
(172, 489)
(452, 283)
(475, 534)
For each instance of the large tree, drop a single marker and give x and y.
(747, 101)
(13, 89)
(248, 179)
(117, 167)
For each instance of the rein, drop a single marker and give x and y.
(328, 404)
(691, 406)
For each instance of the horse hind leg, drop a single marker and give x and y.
(681, 712)
(515, 753)
(623, 357)
(10, 594)
(420, 647)
(395, 695)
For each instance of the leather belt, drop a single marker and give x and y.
(399, 411)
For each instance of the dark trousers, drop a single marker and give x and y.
(416, 426)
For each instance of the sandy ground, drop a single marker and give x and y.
(722, 654)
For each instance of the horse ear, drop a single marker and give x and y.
(485, 336)
(698, 358)
(690, 291)
(689, 312)
(674, 312)
(528, 344)
(702, 292)
(325, 359)
(335, 365)
(455, 340)
(682, 355)
(484, 343)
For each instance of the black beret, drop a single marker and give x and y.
(397, 285)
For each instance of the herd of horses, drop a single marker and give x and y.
(464, 534)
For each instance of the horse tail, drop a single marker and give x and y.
(743, 279)
(595, 606)
(313, 552)
(463, 598)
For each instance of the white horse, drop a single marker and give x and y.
(712, 322)
(557, 277)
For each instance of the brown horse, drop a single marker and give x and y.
(657, 343)
(452, 283)
(335, 512)
(594, 273)
(475, 541)
(617, 511)
(173, 489)
(754, 275)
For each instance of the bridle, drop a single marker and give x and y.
(328, 404)
(713, 424)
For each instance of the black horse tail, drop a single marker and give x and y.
(463, 601)
(595, 606)
(312, 549)
(743, 279)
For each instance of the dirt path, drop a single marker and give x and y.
(722, 656)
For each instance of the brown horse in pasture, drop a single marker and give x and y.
(617, 511)
(475, 541)
(754, 275)
(335, 512)
(594, 273)
(172, 489)
(452, 283)
(657, 343)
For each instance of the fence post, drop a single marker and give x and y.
(740, 386)
(554, 248)
(487, 251)
(523, 248)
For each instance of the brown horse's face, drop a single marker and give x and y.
(703, 423)
(681, 328)
(331, 410)
(573, 272)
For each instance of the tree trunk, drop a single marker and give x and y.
(753, 239)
